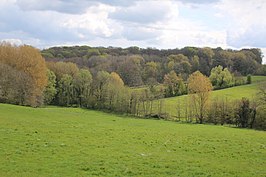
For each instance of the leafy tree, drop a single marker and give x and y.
(249, 79)
(50, 89)
(62, 68)
(100, 88)
(260, 122)
(243, 113)
(174, 84)
(15, 86)
(130, 71)
(199, 87)
(114, 95)
(150, 71)
(205, 55)
(65, 90)
(220, 77)
(30, 63)
(179, 63)
(82, 86)
(195, 63)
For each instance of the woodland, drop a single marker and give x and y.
(134, 81)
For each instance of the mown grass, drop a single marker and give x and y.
(234, 93)
(75, 142)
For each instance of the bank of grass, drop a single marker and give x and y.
(75, 142)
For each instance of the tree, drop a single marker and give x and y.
(100, 88)
(82, 86)
(249, 79)
(29, 62)
(15, 86)
(174, 84)
(220, 77)
(115, 88)
(179, 63)
(150, 71)
(195, 63)
(243, 113)
(65, 90)
(260, 122)
(130, 71)
(50, 89)
(199, 87)
(205, 55)
(62, 68)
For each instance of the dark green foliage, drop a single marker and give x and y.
(244, 114)
(183, 61)
(249, 79)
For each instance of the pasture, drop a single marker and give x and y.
(231, 94)
(56, 141)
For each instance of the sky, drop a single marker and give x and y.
(162, 24)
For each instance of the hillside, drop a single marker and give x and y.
(75, 142)
(139, 66)
(233, 93)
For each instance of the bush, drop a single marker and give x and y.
(249, 79)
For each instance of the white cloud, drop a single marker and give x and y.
(246, 22)
(143, 12)
(93, 22)
(161, 24)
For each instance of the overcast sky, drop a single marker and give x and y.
(162, 24)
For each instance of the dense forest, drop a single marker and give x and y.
(101, 78)
(138, 66)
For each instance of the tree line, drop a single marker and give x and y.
(138, 66)
(27, 79)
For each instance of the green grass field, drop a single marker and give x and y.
(233, 93)
(75, 142)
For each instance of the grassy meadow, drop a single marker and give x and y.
(57, 141)
(233, 93)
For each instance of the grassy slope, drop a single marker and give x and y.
(76, 142)
(233, 93)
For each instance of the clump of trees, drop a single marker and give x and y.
(22, 75)
(221, 77)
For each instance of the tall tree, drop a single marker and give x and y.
(65, 90)
(50, 89)
(29, 61)
(115, 88)
(100, 88)
(173, 84)
(82, 85)
(199, 87)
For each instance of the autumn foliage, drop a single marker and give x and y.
(26, 62)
